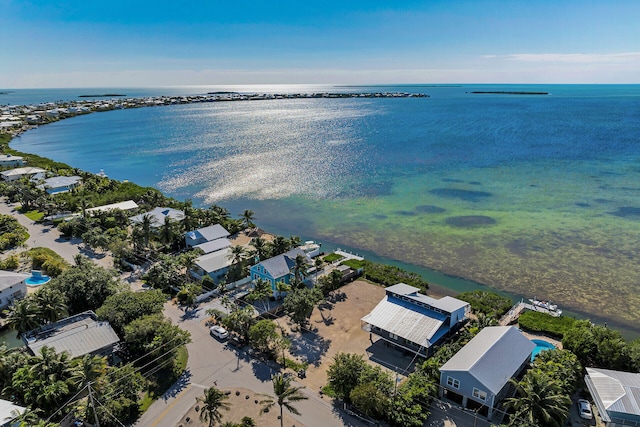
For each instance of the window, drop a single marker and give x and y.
(452, 382)
(479, 394)
(393, 336)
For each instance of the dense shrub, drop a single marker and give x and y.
(534, 321)
(388, 275)
(14, 234)
(488, 303)
(47, 260)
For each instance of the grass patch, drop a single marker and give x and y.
(332, 257)
(488, 303)
(145, 402)
(534, 321)
(182, 358)
(328, 391)
(34, 215)
(296, 366)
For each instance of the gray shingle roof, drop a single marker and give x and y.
(78, 335)
(614, 391)
(281, 265)
(493, 356)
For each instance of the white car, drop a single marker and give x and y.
(219, 332)
(584, 409)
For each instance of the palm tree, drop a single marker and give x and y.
(51, 304)
(88, 369)
(23, 316)
(294, 241)
(247, 218)
(300, 268)
(146, 224)
(212, 401)
(540, 401)
(285, 395)
(280, 245)
(260, 246)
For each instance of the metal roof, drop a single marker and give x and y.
(78, 335)
(214, 261)
(123, 206)
(447, 304)
(214, 245)
(9, 278)
(60, 181)
(210, 233)
(159, 214)
(614, 391)
(9, 411)
(406, 320)
(493, 356)
(23, 171)
(281, 265)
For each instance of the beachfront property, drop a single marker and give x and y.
(278, 269)
(214, 264)
(122, 206)
(12, 286)
(9, 160)
(477, 376)
(77, 335)
(414, 322)
(158, 216)
(60, 184)
(16, 174)
(9, 411)
(616, 394)
(204, 235)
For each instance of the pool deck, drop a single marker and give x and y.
(553, 341)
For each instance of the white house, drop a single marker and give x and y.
(60, 184)
(15, 174)
(12, 286)
(215, 265)
(7, 160)
(158, 216)
(477, 376)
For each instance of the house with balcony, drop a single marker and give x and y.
(279, 269)
(414, 322)
(477, 377)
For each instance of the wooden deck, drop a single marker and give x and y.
(515, 312)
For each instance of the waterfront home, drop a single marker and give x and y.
(414, 322)
(123, 206)
(616, 394)
(77, 335)
(158, 216)
(278, 269)
(60, 184)
(12, 286)
(477, 376)
(15, 174)
(206, 234)
(9, 411)
(214, 245)
(9, 160)
(214, 265)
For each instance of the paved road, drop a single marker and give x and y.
(47, 236)
(209, 361)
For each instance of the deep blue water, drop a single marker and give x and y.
(529, 194)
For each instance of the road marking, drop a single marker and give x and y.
(155, 423)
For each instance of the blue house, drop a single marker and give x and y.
(412, 321)
(278, 269)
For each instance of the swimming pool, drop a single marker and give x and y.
(541, 345)
(37, 280)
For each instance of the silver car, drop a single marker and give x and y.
(584, 409)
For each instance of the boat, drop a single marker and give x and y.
(546, 305)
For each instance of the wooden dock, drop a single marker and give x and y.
(515, 312)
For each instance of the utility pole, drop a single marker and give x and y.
(95, 415)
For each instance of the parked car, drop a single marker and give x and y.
(584, 409)
(219, 332)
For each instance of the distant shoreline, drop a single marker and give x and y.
(509, 93)
(101, 95)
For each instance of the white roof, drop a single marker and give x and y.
(60, 181)
(614, 391)
(214, 261)
(493, 356)
(210, 233)
(124, 206)
(9, 157)
(159, 214)
(29, 170)
(214, 245)
(405, 320)
(9, 411)
(9, 278)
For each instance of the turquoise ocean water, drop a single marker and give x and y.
(529, 194)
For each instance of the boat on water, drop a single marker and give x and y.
(547, 305)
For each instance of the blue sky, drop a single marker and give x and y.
(94, 43)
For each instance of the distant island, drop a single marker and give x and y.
(100, 96)
(511, 93)
(4, 93)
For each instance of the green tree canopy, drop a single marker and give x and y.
(124, 307)
(299, 303)
(154, 336)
